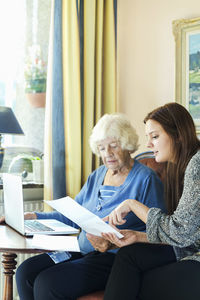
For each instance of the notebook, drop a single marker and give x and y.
(14, 212)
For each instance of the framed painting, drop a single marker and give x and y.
(187, 39)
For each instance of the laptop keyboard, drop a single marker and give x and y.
(35, 226)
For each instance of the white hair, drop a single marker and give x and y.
(116, 126)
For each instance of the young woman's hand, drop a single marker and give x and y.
(116, 217)
(130, 237)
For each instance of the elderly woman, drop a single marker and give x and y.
(70, 275)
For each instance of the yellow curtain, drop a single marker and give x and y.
(71, 89)
(99, 70)
(81, 87)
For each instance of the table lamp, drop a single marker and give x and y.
(8, 125)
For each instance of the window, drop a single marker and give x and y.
(26, 24)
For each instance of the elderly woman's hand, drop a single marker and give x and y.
(99, 243)
(130, 237)
(27, 216)
(2, 220)
(30, 216)
(116, 217)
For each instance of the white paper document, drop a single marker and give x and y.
(82, 216)
(55, 242)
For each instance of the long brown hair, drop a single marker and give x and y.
(179, 125)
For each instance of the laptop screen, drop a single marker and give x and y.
(13, 201)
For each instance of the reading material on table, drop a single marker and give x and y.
(54, 243)
(82, 216)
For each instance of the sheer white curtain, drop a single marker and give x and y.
(12, 37)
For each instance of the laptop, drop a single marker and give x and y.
(14, 212)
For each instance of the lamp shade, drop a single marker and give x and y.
(8, 122)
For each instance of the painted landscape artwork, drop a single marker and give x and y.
(194, 76)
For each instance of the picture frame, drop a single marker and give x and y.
(187, 88)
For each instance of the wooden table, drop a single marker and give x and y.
(12, 243)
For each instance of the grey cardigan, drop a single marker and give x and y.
(182, 229)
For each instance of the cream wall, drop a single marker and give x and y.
(146, 55)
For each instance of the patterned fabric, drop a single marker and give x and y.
(105, 193)
(181, 229)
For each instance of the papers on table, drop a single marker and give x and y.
(81, 216)
(54, 243)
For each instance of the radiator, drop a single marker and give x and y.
(28, 206)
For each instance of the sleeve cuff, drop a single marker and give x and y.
(153, 224)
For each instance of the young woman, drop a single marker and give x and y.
(164, 262)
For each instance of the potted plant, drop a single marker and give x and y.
(35, 77)
(25, 164)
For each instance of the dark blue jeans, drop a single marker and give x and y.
(39, 278)
(151, 272)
